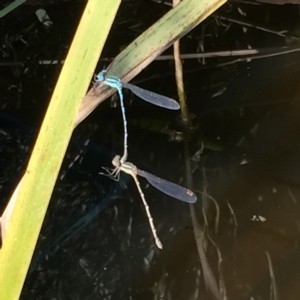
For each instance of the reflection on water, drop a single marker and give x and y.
(265, 220)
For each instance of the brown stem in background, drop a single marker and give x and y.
(273, 286)
(200, 239)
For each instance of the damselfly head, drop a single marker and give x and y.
(116, 161)
(101, 76)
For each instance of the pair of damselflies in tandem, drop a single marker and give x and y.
(120, 163)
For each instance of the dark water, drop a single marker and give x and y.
(95, 242)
